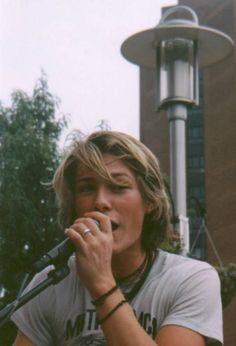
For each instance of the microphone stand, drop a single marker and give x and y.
(53, 277)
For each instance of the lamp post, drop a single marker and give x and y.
(175, 48)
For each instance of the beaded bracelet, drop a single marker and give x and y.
(122, 302)
(100, 300)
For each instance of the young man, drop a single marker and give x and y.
(122, 290)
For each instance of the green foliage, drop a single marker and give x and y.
(228, 283)
(172, 246)
(29, 155)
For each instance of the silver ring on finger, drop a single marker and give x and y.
(86, 231)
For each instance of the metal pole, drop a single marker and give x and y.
(175, 47)
(177, 116)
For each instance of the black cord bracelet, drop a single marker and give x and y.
(112, 311)
(101, 299)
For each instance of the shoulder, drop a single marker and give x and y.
(172, 263)
(193, 291)
(187, 282)
(178, 273)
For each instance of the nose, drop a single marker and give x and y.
(102, 201)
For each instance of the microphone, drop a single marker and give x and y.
(57, 256)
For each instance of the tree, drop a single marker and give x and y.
(29, 133)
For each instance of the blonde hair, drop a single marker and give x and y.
(89, 153)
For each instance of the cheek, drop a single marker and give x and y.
(134, 208)
(81, 206)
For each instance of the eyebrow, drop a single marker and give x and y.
(117, 175)
(91, 178)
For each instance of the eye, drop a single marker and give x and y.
(85, 188)
(118, 188)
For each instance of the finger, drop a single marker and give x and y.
(86, 232)
(86, 228)
(89, 222)
(93, 225)
(104, 221)
(77, 239)
(83, 228)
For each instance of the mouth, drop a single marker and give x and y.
(114, 226)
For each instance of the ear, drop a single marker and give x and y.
(148, 207)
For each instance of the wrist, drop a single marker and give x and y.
(101, 289)
(101, 299)
(112, 303)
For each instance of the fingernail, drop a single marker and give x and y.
(66, 230)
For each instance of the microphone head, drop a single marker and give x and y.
(96, 222)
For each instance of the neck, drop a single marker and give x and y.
(123, 266)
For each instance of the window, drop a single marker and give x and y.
(197, 191)
(196, 162)
(195, 132)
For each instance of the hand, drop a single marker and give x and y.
(93, 252)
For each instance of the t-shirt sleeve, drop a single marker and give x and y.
(197, 303)
(34, 318)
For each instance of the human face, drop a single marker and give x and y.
(123, 203)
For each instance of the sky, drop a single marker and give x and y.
(77, 44)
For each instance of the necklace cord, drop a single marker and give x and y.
(149, 259)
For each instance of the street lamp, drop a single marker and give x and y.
(175, 48)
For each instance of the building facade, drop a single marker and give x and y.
(211, 149)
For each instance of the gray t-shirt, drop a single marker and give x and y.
(178, 290)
